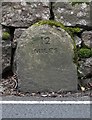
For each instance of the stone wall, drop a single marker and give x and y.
(17, 17)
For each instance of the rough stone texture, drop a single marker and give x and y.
(87, 38)
(45, 60)
(85, 70)
(86, 66)
(85, 82)
(21, 14)
(72, 15)
(18, 33)
(78, 41)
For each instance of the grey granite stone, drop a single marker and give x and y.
(44, 58)
(72, 15)
(23, 14)
(18, 33)
(87, 38)
(86, 66)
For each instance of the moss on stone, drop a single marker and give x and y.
(51, 23)
(5, 36)
(74, 3)
(85, 53)
(58, 24)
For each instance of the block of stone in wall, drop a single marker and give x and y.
(71, 15)
(86, 67)
(85, 71)
(18, 33)
(87, 38)
(44, 59)
(24, 14)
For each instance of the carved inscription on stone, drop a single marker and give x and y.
(45, 41)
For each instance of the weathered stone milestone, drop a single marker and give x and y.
(44, 59)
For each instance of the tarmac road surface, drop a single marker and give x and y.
(32, 107)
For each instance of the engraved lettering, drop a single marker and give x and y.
(37, 50)
(45, 50)
(47, 39)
